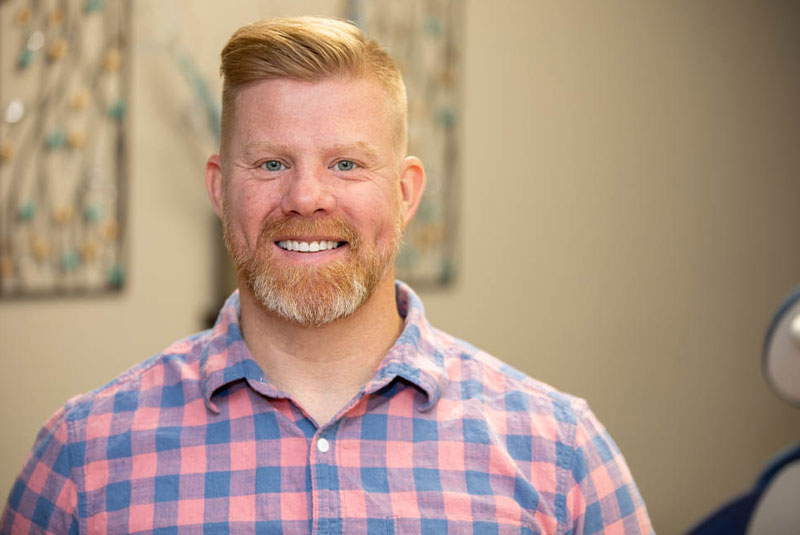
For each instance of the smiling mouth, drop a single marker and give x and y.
(309, 246)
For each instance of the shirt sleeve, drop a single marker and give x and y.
(601, 496)
(44, 497)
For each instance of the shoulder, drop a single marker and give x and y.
(465, 373)
(477, 372)
(89, 427)
(144, 385)
(530, 418)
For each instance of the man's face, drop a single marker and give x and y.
(311, 199)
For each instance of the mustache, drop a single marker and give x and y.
(333, 227)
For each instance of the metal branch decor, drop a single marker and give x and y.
(424, 36)
(64, 87)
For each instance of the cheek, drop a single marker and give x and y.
(250, 208)
(380, 219)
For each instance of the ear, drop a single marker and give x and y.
(214, 185)
(412, 185)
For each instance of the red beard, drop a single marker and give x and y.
(311, 295)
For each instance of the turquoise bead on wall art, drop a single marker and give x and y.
(27, 210)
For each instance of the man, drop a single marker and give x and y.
(321, 401)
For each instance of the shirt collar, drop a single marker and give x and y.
(226, 357)
(416, 355)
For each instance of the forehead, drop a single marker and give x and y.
(296, 100)
(334, 110)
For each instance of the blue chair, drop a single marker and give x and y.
(772, 506)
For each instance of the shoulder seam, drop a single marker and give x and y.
(75, 468)
(563, 476)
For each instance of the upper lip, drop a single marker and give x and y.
(308, 240)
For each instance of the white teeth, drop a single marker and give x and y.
(307, 247)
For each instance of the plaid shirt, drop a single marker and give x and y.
(443, 439)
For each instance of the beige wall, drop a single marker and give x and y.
(630, 221)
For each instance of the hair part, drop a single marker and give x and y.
(308, 49)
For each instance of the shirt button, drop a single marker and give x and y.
(323, 445)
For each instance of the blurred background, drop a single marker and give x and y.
(626, 191)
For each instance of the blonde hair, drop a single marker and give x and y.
(310, 49)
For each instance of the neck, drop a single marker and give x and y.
(323, 367)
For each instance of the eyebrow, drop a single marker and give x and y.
(264, 146)
(362, 147)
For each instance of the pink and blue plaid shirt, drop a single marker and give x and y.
(443, 439)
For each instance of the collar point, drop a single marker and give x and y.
(432, 396)
(211, 406)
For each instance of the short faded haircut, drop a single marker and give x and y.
(309, 49)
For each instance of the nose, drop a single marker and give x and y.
(307, 193)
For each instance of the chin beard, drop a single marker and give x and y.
(311, 295)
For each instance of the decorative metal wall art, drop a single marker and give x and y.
(424, 37)
(64, 88)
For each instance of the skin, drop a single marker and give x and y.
(315, 150)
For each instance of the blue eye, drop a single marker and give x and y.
(272, 165)
(345, 165)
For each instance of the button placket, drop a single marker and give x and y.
(325, 507)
